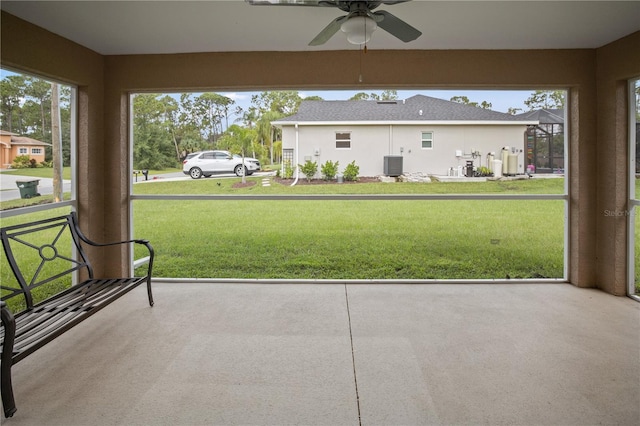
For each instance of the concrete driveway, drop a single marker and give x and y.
(9, 188)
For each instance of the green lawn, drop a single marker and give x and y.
(39, 172)
(225, 186)
(358, 239)
(354, 239)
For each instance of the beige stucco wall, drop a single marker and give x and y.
(617, 63)
(370, 143)
(597, 148)
(27, 48)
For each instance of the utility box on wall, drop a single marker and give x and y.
(393, 165)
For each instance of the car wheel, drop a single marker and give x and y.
(238, 170)
(195, 173)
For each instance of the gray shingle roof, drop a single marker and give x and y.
(544, 116)
(415, 108)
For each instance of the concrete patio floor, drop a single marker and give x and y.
(332, 354)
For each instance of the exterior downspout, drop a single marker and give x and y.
(297, 162)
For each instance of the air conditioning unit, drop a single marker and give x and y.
(393, 165)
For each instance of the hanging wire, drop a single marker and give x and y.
(360, 56)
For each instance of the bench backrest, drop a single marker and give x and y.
(43, 255)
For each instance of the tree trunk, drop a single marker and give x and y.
(56, 142)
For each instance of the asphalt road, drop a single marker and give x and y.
(9, 189)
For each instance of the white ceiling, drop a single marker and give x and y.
(139, 27)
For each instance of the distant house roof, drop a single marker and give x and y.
(22, 140)
(418, 108)
(544, 116)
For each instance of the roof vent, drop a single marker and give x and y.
(420, 112)
(387, 103)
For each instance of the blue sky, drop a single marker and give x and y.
(501, 100)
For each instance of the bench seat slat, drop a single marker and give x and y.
(56, 315)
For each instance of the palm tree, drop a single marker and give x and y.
(266, 132)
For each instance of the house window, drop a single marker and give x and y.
(427, 140)
(23, 151)
(36, 151)
(343, 140)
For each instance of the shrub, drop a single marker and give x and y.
(309, 169)
(351, 171)
(21, 162)
(484, 171)
(329, 170)
(288, 170)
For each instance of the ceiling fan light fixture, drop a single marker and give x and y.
(359, 29)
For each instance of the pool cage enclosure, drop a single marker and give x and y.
(545, 142)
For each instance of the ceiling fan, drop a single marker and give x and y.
(359, 22)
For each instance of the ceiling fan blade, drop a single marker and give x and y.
(292, 2)
(396, 26)
(328, 31)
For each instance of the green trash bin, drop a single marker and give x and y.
(28, 188)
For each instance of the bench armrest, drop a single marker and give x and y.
(9, 323)
(146, 243)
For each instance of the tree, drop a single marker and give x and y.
(386, 95)
(360, 96)
(153, 146)
(285, 102)
(40, 93)
(389, 95)
(266, 132)
(238, 140)
(188, 134)
(25, 109)
(56, 143)
(249, 117)
(211, 109)
(546, 99)
(11, 93)
(171, 120)
(465, 101)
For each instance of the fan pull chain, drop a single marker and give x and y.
(362, 51)
(360, 57)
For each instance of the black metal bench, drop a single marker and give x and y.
(47, 258)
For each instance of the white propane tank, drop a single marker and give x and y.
(490, 159)
(512, 166)
(504, 154)
(497, 168)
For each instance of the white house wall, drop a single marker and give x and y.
(370, 143)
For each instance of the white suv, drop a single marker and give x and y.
(207, 163)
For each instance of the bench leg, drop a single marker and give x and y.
(6, 388)
(149, 291)
(8, 402)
